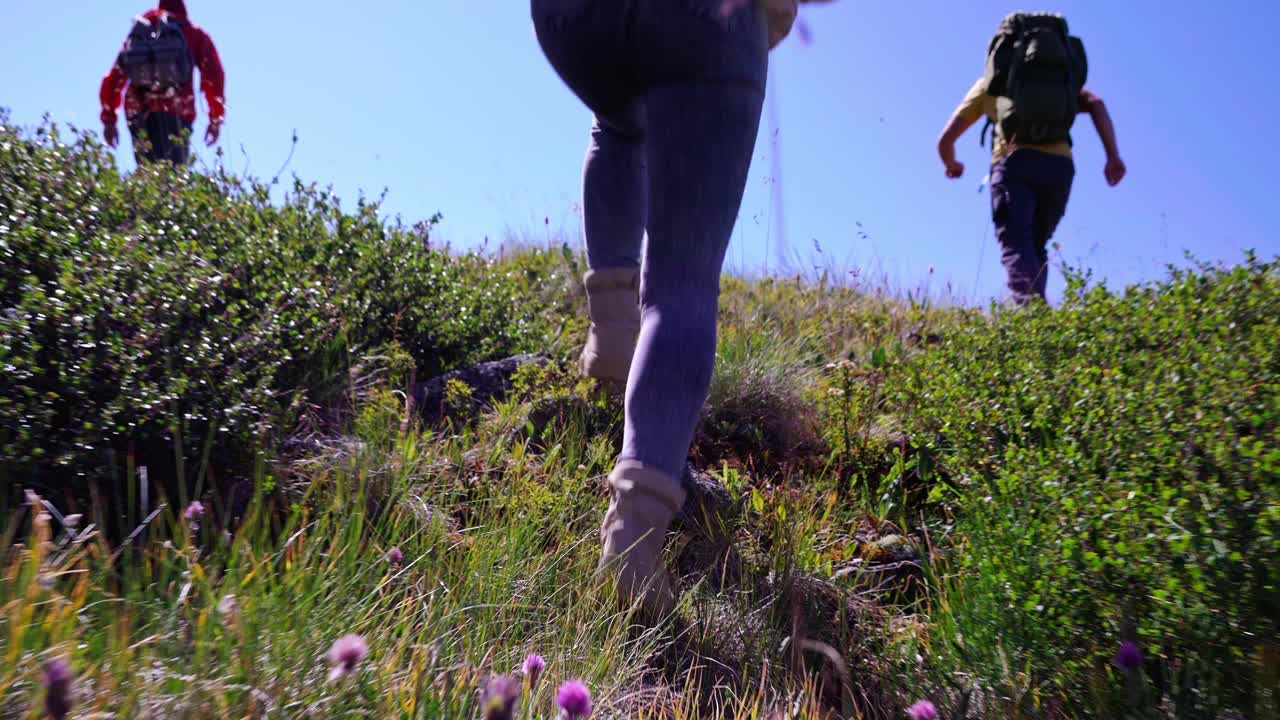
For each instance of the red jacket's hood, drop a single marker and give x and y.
(176, 8)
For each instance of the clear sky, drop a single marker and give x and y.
(450, 107)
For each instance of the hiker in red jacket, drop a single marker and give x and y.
(157, 65)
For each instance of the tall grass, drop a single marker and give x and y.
(498, 553)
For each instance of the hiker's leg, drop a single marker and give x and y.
(160, 129)
(1013, 210)
(700, 140)
(584, 42)
(700, 78)
(1041, 285)
(1055, 177)
(182, 144)
(614, 190)
(172, 136)
(614, 205)
(140, 133)
(707, 74)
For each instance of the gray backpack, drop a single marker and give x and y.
(156, 57)
(1036, 70)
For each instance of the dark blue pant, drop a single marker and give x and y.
(160, 137)
(1029, 193)
(676, 87)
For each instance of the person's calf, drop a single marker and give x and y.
(613, 302)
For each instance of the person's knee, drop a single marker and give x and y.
(624, 126)
(697, 301)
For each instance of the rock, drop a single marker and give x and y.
(888, 564)
(708, 504)
(706, 524)
(890, 548)
(489, 383)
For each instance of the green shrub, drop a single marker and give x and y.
(176, 316)
(1112, 467)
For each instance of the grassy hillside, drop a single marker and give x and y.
(1053, 513)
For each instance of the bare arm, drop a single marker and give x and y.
(957, 126)
(1092, 104)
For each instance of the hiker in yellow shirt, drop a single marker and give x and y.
(1031, 94)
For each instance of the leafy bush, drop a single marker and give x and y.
(168, 310)
(1112, 467)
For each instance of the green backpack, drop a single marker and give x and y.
(1035, 71)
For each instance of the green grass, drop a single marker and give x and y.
(974, 507)
(498, 562)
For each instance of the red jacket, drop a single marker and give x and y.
(183, 102)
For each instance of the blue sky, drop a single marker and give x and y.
(450, 107)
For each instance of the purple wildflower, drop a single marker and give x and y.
(1129, 656)
(574, 699)
(57, 684)
(346, 655)
(923, 710)
(395, 557)
(533, 667)
(228, 605)
(498, 700)
(229, 609)
(194, 512)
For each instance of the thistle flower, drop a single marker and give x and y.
(228, 605)
(229, 609)
(533, 667)
(498, 700)
(923, 710)
(395, 557)
(57, 684)
(194, 513)
(346, 655)
(574, 699)
(1129, 656)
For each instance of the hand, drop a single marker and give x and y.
(955, 170)
(1115, 171)
(212, 134)
(782, 17)
(111, 134)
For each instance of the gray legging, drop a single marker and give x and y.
(676, 87)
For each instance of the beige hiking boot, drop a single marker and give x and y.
(613, 301)
(635, 528)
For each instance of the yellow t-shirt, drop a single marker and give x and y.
(978, 105)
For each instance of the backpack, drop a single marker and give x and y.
(156, 57)
(1035, 71)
